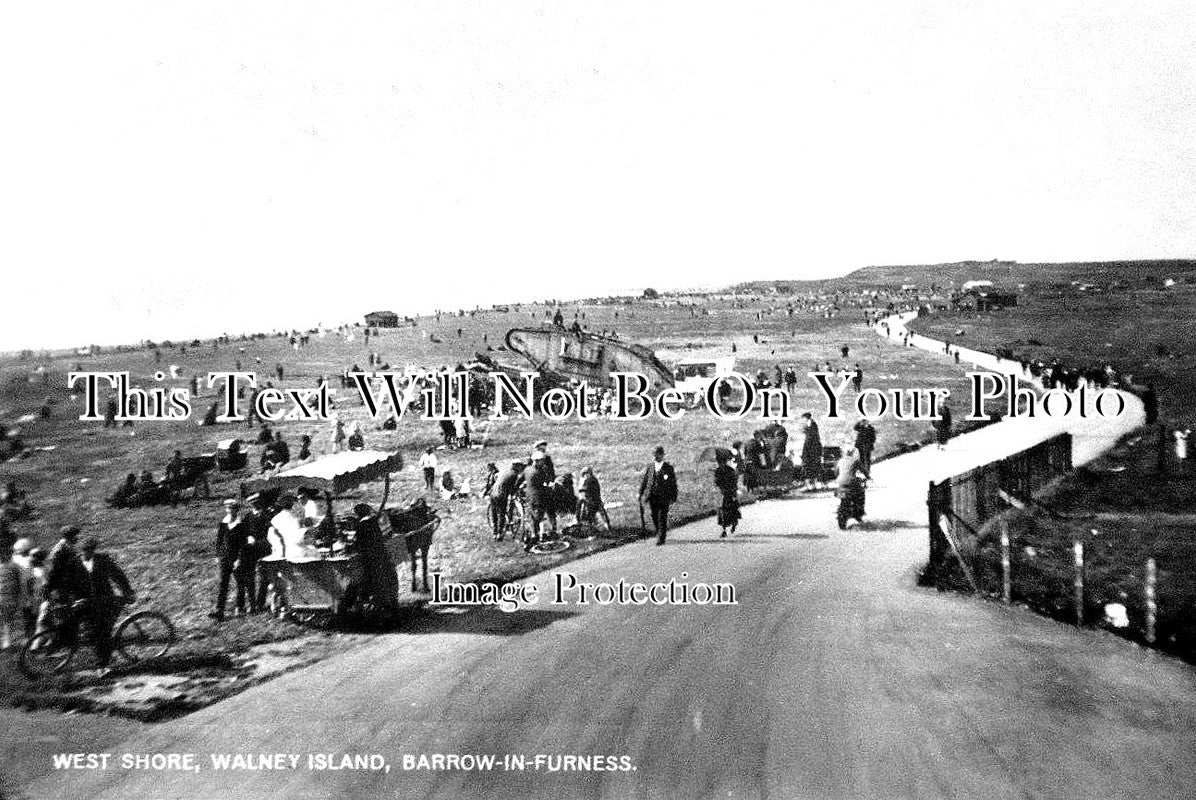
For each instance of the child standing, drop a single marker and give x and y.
(428, 463)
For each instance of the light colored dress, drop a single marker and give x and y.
(287, 539)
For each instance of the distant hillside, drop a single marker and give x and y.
(780, 287)
(1133, 273)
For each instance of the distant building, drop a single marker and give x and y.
(382, 319)
(984, 300)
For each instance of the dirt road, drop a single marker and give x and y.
(834, 676)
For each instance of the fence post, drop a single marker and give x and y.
(1152, 607)
(1077, 548)
(1006, 578)
(936, 537)
(1161, 451)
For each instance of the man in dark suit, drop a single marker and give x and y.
(659, 488)
(231, 539)
(66, 579)
(537, 488)
(110, 590)
(256, 528)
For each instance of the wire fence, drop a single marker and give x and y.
(989, 535)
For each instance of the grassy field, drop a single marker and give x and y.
(1148, 334)
(168, 551)
(1137, 502)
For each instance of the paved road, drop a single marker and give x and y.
(833, 677)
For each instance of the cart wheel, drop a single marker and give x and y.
(304, 617)
(146, 634)
(549, 546)
(47, 654)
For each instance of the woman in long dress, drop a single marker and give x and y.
(811, 452)
(337, 437)
(727, 483)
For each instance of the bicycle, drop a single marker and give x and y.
(514, 519)
(587, 525)
(140, 636)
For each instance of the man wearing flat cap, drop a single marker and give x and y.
(231, 539)
(66, 578)
(659, 488)
(546, 465)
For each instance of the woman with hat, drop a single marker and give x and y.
(379, 578)
(811, 452)
(727, 483)
(590, 492)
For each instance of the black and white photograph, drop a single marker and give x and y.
(646, 400)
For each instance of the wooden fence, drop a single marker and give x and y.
(959, 506)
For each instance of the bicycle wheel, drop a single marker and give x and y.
(47, 654)
(146, 634)
(515, 518)
(548, 546)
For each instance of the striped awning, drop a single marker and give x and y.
(336, 473)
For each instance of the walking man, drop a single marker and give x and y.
(865, 441)
(659, 488)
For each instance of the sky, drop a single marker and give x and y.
(170, 170)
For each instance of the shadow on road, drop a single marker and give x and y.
(881, 525)
(486, 620)
(814, 536)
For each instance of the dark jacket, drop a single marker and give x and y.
(811, 450)
(590, 489)
(106, 580)
(752, 449)
(65, 574)
(546, 465)
(726, 480)
(865, 436)
(230, 539)
(659, 485)
(539, 486)
(942, 426)
(506, 485)
(378, 567)
(257, 525)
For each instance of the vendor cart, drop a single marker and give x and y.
(336, 569)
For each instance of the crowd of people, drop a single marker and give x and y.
(36, 589)
(255, 531)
